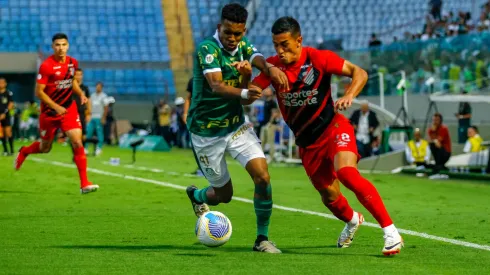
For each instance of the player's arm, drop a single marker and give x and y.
(215, 81)
(245, 69)
(187, 104)
(257, 60)
(47, 100)
(76, 88)
(106, 111)
(359, 79)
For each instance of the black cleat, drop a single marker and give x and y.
(199, 208)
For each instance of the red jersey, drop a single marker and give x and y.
(307, 107)
(58, 78)
(441, 134)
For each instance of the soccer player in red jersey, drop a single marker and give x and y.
(325, 137)
(55, 84)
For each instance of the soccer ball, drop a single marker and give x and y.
(213, 229)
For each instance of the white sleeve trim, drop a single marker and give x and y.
(254, 56)
(213, 70)
(467, 147)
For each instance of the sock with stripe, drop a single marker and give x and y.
(81, 161)
(263, 208)
(200, 195)
(341, 209)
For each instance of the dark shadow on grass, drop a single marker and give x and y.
(16, 192)
(195, 255)
(157, 247)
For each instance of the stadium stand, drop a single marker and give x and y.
(99, 31)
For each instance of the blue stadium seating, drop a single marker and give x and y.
(123, 30)
(126, 81)
(104, 31)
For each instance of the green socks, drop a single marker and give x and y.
(263, 208)
(200, 195)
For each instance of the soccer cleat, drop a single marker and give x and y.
(393, 243)
(19, 159)
(89, 188)
(199, 208)
(347, 235)
(98, 152)
(267, 247)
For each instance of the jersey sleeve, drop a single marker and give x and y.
(44, 74)
(208, 57)
(332, 62)
(249, 50)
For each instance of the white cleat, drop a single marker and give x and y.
(98, 152)
(267, 247)
(393, 243)
(347, 235)
(86, 151)
(89, 189)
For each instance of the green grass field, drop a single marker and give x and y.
(136, 225)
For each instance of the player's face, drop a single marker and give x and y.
(79, 76)
(417, 135)
(287, 47)
(60, 47)
(471, 132)
(436, 120)
(3, 84)
(230, 34)
(98, 88)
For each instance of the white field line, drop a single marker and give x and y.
(154, 170)
(328, 216)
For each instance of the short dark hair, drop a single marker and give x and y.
(3, 78)
(235, 13)
(79, 70)
(286, 24)
(439, 116)
(99, 83)
(59, 36)
(474, 128)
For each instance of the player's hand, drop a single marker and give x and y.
(184, 118)
(87, 118)
(83, 99)
(279, 78)
(60, 110)
(343, 103)
(254, 93)
(3, 116)
(243, 67)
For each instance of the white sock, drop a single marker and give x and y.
(389, 229)
(355, 219)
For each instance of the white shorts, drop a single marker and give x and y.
(243, 145)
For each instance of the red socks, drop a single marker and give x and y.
(34, 148)
(341, 209)
(81, 162)
(366, 193)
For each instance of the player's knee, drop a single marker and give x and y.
(77, 144)
(226, 198)
(262, 179)
(329, 194)
(45, 149)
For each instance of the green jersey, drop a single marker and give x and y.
(210, 114)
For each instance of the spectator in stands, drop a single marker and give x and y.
(484, 23)
(269, 104)
(440, 143)
(474, 142)
(417, 150)
(83, 109)
(374, 42)
(164, 120)
(464, 120)
(435, 8)
(98, 117)
(365, 123)
(110, 121)
(268, 132)
(182, 135)
(25, 122)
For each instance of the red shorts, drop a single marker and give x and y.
(49, 124)
(318, 158)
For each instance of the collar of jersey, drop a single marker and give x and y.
(216, 36)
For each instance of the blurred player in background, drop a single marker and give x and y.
(216, 121)
(6, 104)
(84, 110)
(326, 138)
(55, 84)
(97, 118)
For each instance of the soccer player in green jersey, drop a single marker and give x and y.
(216, 120)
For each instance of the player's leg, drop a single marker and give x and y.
(99, 128)
(245, 147)
(345, 160)
(4, 136)
(48, 127)
(322, 175)
(209, 154)
(90, 132)
(10, 138)
(71, 126)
